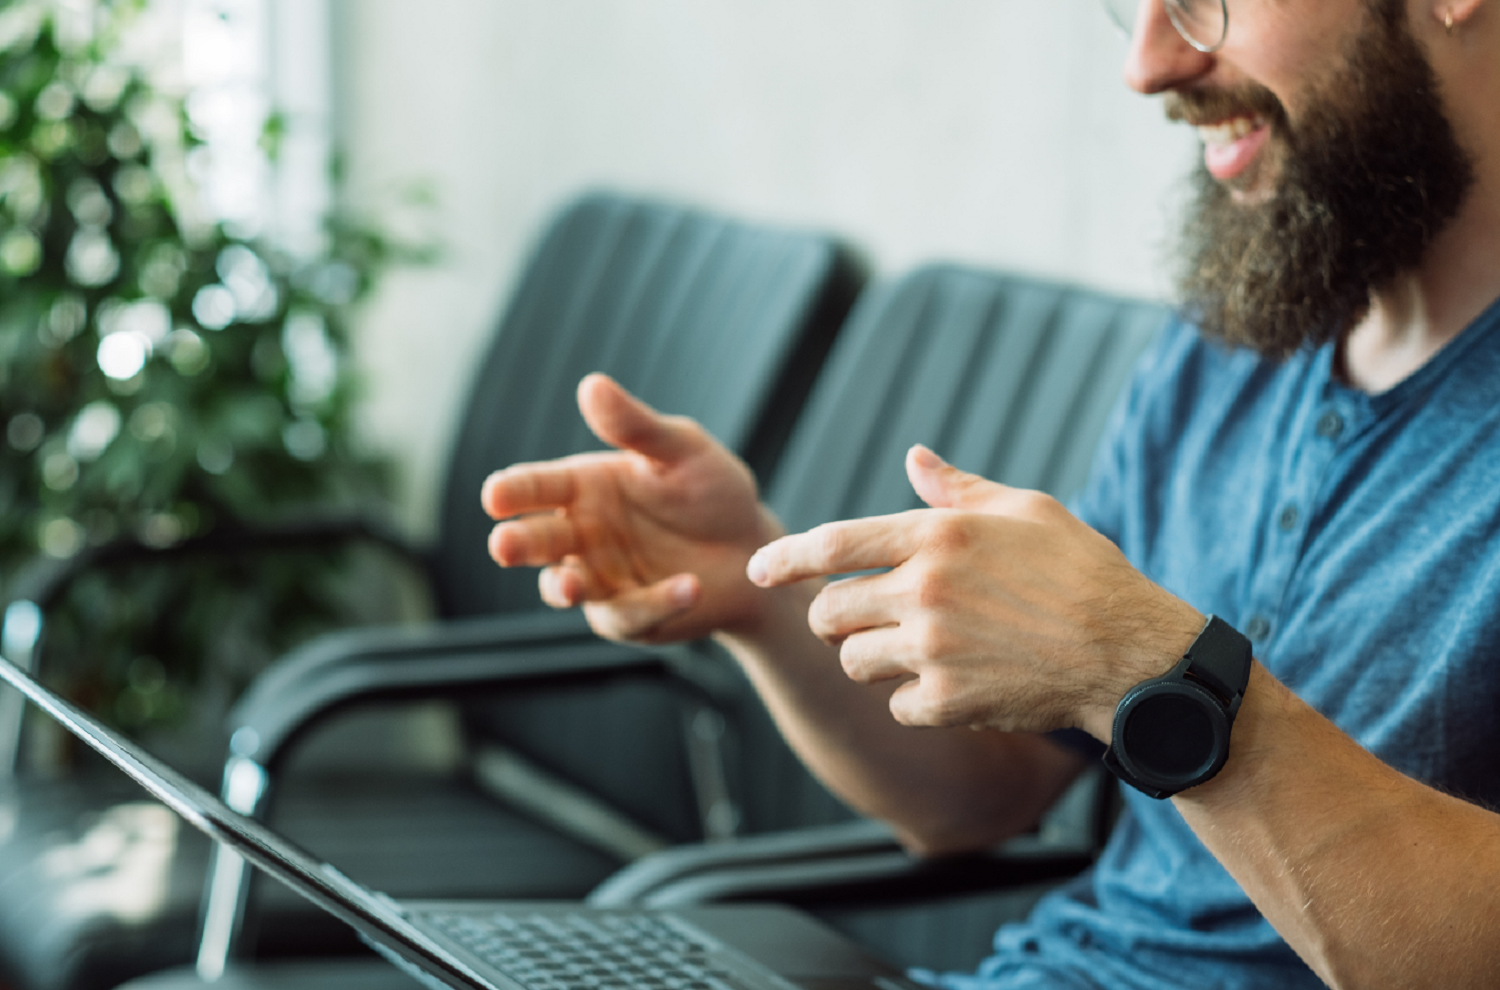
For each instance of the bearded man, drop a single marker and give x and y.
(1312, 456)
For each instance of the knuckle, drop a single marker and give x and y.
(930, 589)
(929, 639)
(518, 484)
(527, 545)
(684, 432)
(910, 707)
(943, 705)
(1036, 505)
(945, 712)
(551, 539)
(830, 542)
(951, 532)
(686, 425)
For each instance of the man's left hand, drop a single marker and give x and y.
(1000, 609)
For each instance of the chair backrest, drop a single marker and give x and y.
(1006, 376)
(697, 314)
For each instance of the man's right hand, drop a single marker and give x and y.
(651, 538)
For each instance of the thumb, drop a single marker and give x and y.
(943, 486)
(621, 420)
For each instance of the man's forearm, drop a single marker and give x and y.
(943, 790)
(1374, 879)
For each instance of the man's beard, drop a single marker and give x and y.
(1367, 179)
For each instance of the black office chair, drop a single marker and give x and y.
(1006, 376)
(1011, 378)
(723, 320)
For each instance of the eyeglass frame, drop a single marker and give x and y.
(1174, 8)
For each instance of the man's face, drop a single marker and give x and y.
(1308, 201)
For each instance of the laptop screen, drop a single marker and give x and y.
(372, 915)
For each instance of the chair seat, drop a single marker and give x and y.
(105, 862)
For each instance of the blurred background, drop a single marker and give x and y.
(996, 132)
(988, 131)
(252, 253)
(343, 193)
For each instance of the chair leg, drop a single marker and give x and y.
(245, 787)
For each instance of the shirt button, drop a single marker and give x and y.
(1330, 425)
(1258, 627)
(1288, 519)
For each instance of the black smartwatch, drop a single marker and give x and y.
(1172, 732)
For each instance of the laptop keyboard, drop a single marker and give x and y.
(596, 952)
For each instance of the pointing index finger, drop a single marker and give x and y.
(835, 548)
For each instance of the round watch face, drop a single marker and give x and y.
(1173, 734)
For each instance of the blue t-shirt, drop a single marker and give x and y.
(1356, 540)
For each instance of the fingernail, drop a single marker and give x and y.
(683, 591)
(757, 570)
(925, 458)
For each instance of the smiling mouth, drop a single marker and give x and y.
(1229, 130)
(1231, 144)
(1234, 123)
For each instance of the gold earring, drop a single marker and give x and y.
(1448, 22)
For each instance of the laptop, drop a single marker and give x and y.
(512, 945)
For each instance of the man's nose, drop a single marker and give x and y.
(1160, 57)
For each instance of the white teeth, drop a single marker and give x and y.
(1227, 131)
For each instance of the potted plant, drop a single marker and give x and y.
(161, 384)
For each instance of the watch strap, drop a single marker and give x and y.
(1217, 667)
(1220, 660)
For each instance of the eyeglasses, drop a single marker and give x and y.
(1203, 23)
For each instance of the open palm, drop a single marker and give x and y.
(651, 538)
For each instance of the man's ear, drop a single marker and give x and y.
(1454, 14)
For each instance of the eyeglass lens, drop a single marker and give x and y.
(1204, 23)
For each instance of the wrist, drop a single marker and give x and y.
(1153, 644)
(768, 613)
(1172, 732)
(757, 609)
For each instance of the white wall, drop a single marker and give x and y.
(990, 131)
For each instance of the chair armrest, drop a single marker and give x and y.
(861, 836)
(45, 581)
(854, 862)
(532, 648)
(39, 586)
